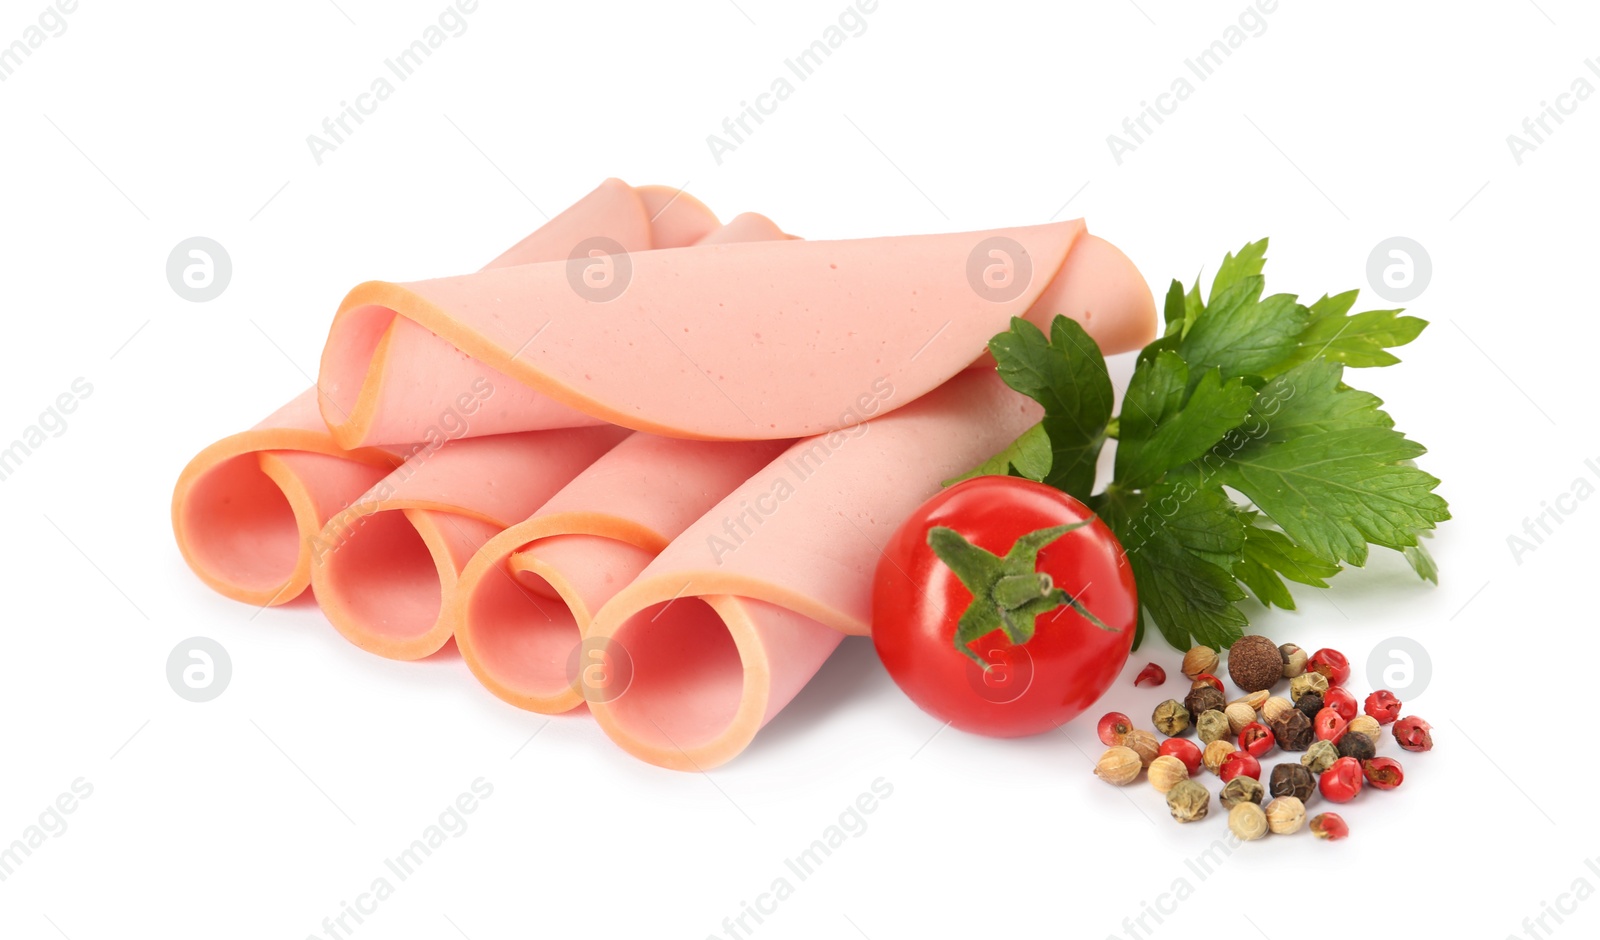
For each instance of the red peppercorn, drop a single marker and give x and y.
(1256, 738)
(1385, 773)
(1329, 725)
(1330, 663)
(1113, 727)
(1383, 706)
(1342, 781)
(1241, 763)
(1330, 826)
(1151, 674)
(1414, 734)
(1340, 700)
(1183, 749)
(1206, 678)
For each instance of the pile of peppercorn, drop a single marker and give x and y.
(1338, 746)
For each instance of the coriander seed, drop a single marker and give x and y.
(1171, 718)
(1320, 756)
(1215, 753)
(1275, 706)
(1188, 801)
(1285, 815)
(1144, 744)
(1167, 772)
(1239, 714)
(1241, 789)
(1247, 820)
(1292, 780)
(1198, 660)
(1118, 766)
(1212, 725)
(1367, 725)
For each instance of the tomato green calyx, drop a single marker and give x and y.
(1009, 593)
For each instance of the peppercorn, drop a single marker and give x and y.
(1293, 730)
(1241, 789)
(1330, 826)
(1294, 660)
(1171, 718)
(1308, 682)
(1247, 821)
(1413, 734)
(1329, 726)
(1367, 725)
(1358, 746)
(1206, 678)
(1330, 663)
(1274, 707)
(1185, 750)
(1254, 663)
(1285, 815)
(1292, 780)
(1320, 756)
(1167, 772)
(1256, 738)
(1215, 753)
(1309, 703)
(1118, 766)
(1113, 727)
(1150, 674)
(1382, 705)
(1144, 744)
(1340, 700)
(1239, 764)
(1385, 773)
(1342, 781)
(1188, 801)
(1198, 660)
(1239, 714)
(1212, 725)
(1204, 699)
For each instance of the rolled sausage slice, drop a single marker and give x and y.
(750, 341)
(246, 509)
(731, 619)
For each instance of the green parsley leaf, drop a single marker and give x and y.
(1161, 427)
(1067, 375)
(1028, 456)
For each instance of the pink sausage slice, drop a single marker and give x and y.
(728, 622)
(384, 568)
(746, 341)
(245, 509)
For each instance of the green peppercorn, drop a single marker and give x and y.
(1292, 780)
(1171, 718)
(1320, 756)
(1189, 801)
(1309, 703)
(1358, 746)
(1241, 789)
(1293, 730)
(1212, 726)
(1204, 699)
(1309, 682)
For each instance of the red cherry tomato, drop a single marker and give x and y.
(1027, 688)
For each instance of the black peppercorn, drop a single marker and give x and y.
(1204, 699)
(1309, 703)
(1293, 730)
(1292, 780)
(1356, 745)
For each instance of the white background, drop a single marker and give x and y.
(260, 813)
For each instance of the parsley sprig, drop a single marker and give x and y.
(1243, 394)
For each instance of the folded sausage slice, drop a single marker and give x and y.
(749, 341)
(246, 509)
(731, 619)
